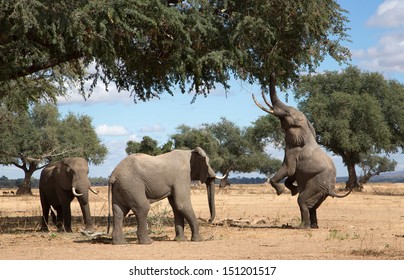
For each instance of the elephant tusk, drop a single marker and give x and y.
(220, 178)
(75, 193)
(93, 191)
(266, 101)
(270, 111)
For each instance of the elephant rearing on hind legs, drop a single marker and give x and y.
(304, 162)
(139, 180)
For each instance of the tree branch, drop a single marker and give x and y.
(42, 66)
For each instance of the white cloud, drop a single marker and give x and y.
(99, 95)
(387, 56)
(389, 14)
(135, 137)
(152, 129)
(111, 130)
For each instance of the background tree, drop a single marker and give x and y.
(267, 130)
(34, 138)
(269, 166)
(147, 146)
(190, 138)
(132, 147)
(147, 47)
(235, 152)
(355, 114)
(373, 165)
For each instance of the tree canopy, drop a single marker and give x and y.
(150, 47)
(43, 137)
(355, 114)
(373, 165)
(148, 146)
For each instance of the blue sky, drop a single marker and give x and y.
(377, 34)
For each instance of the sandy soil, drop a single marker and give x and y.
(251, 223)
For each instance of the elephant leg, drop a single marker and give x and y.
(67, 218)
(117, 233)
(182, 204)
(308, 203)
(53, 215)
(283, 172)
(45, 216)
(189, 215)
(179, 221)
(141, 212)
(313, 218)
(289, 184)
(320, 197)
(304, 211)
(59, 218)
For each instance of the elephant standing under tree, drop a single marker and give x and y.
(59, 184)
(140, 179)
(304, 162)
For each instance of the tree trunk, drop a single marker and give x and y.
(25, 188)
(352, 182)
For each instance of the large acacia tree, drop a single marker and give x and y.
(356, 115)
(148, 47)
(32, 139)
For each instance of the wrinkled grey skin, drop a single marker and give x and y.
(304, 162)
(139, 180)
(56, 189)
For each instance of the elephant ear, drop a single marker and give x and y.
(64, 175)
(200, 168)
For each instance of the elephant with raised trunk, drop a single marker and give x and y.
(140, 179)
(304, 162)
(59, 184)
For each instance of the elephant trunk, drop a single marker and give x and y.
(279, 107)
(210, 186)
(85, 209)
(82, 187)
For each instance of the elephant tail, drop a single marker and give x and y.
(111, 182)
(334, 194)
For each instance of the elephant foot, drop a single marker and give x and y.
(145, 240)
(89, 229)
(180, 238)
(304, 226)
(279, 189)
(118, 241)
(196, 238)
(314, 226)
(294, 190)
(61, 229)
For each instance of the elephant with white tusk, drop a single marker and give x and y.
(140, 179)
(304, 162)
(59, 184)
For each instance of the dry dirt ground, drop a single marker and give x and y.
(252, 222)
